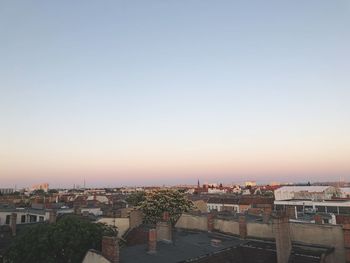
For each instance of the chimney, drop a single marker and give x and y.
(110, 249)
(266, 216)
(282, 237)
(13, 223)
(166, 216)
(318, 219)
(164, 229)
(210, 221)
(52, 217)
(85, 213)
(291, 212)
(242, 226)
(77, 210)
(152, 241)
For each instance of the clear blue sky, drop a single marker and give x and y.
(143, 92)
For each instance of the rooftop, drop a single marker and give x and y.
(303, 188)
(194, 246)
(186, 245)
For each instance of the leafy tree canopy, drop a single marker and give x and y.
(159, 201)
(136, 198)
(67, 241)
(53, 191)
(40, 192)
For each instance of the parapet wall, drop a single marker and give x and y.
(194, 222)
(310, 234)
(326, 235)
(226, 226)
(260, 230)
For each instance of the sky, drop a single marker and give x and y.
(169, 92)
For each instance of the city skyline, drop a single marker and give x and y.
(133, 93)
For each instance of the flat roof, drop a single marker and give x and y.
(186, 245)
(302, 188)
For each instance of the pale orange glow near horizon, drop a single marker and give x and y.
(220, 160)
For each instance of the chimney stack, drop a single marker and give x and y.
(77, 210)
(266, 216)
(13, 223)
(152, 241)
(110, 249)
(166, 217)
(52, 217)
(164, 229)
(318, 219)
(242, 224)
(282, 236)
(210, 221)
(291, 212)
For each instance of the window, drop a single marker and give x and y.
(321, 209)
(23, 219)
(332, 209)
(299, 208)
(41, 219)
(279, 207)
(344, 210)
(8, 218)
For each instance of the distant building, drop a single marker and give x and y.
(250, 183)
(310, 206)
(6, 191)
(223, 204)
(345, 192)
(24, 215)
(43, 186)
(306, 192)
(216, 191)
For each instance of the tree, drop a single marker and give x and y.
(136, 198)
(53, 191)
(159, 201)
(39, 192)
(67, 241)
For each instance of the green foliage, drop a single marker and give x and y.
(40, 192)
(269, 193)
(67, 241)
(136, 198)
(53, 191)
(160, 201)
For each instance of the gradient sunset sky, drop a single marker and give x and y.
(168, 92)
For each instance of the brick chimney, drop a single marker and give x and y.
(77, 210)
(52, 217)
(152, 241)
(291, 212)
(85, 213)
(266, 216)
(166, 217)
(210, 221)
(282, 237)
(242, 226)
(110, 249)
(13, 223)
(164, 229)
(318, 219)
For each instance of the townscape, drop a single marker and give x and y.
(206, 223)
